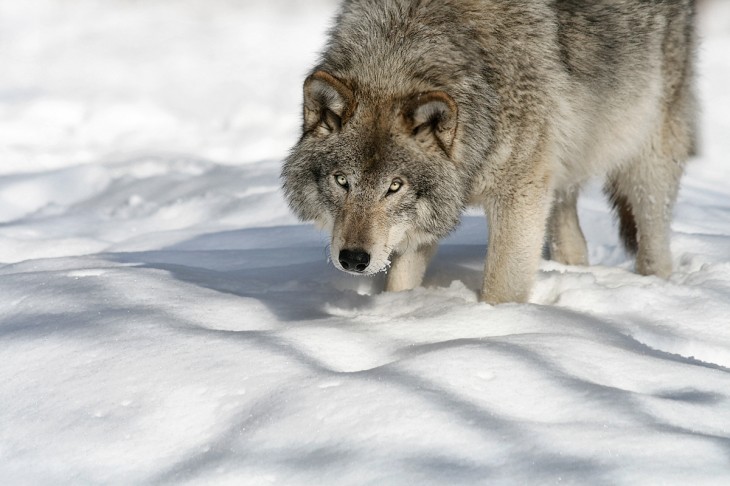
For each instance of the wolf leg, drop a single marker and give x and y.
(643, 194)
(644, 190)
(516, 235)
(566, 242)
(407, 270)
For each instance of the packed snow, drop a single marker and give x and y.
(165, 319)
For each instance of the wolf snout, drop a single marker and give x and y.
(354, 260)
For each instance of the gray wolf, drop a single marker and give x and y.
(419, 108)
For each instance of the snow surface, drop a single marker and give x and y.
(164, 319)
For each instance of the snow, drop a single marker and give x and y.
(165, 319)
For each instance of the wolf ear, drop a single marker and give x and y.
(328, 104)
(431, 117)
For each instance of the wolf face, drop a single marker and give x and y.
(376, 172)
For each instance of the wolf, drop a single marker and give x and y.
(420, 108)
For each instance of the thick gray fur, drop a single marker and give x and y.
(511, 105)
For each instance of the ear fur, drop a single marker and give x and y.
(432, 117)
(328, 104)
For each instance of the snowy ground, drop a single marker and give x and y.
(164, 319)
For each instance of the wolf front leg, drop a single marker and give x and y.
(407, 269)
(516, 235)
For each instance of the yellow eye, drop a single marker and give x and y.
(395, 186)
(341, 180)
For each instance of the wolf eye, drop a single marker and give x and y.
(395, 186)
(341, 180)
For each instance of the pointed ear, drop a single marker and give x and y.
(431, 118)
(328, 104)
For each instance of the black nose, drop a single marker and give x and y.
(355, 260)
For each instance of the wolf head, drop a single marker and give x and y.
(376, 170)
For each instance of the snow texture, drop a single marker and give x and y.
(165, 319)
